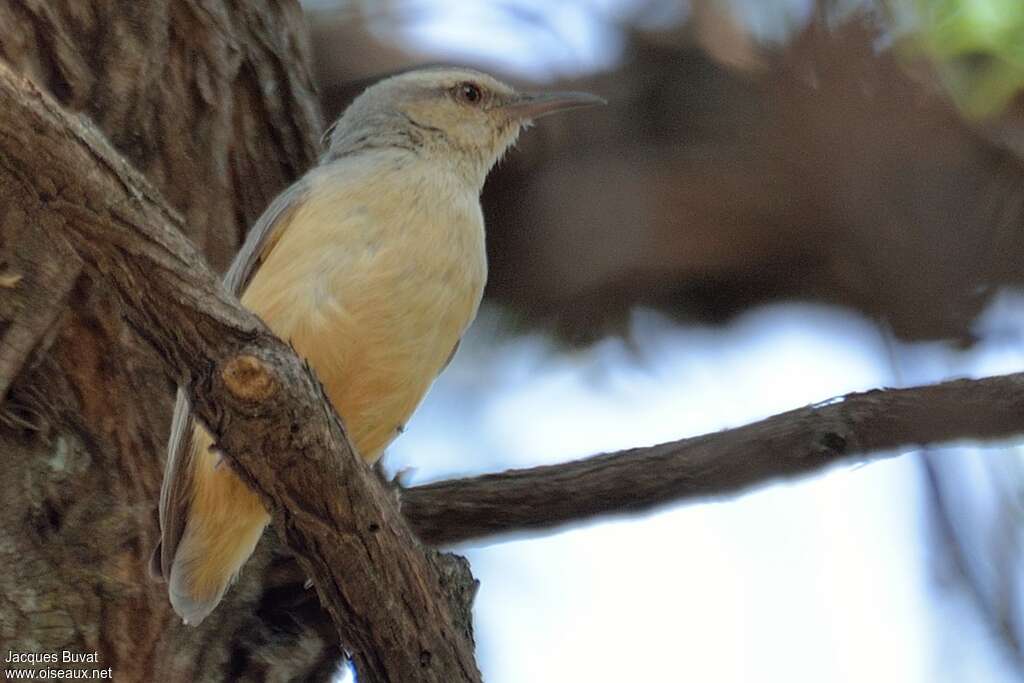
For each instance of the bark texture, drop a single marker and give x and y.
(213, 101)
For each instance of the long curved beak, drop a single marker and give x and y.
(528, 106)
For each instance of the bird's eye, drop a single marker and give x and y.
(469, 93)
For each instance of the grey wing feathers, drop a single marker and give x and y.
(263, 235)
(174, 493)
(175, 488)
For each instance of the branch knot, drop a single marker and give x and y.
(249, 379)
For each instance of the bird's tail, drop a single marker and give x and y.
(225, 521)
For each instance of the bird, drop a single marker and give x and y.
(372, 265)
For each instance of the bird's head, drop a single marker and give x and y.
(452, 114)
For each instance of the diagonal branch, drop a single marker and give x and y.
(857, 426)
(270, 416)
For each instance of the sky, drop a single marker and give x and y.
(826, 578)
(543, 40)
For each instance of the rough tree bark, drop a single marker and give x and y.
(213, 101)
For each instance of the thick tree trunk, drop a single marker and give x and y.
(213, 101)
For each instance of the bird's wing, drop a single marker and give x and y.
(264, 236)
(177, 485)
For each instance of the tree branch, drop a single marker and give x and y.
(862, 425)
(266, 408)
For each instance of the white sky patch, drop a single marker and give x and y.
(533, 39)
(772, 21)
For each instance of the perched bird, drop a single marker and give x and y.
(372, 265)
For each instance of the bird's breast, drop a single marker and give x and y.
(375, 292)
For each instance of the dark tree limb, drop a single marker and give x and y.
(857, 426)
(262, 402)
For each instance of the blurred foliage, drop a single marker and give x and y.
(978, 47)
